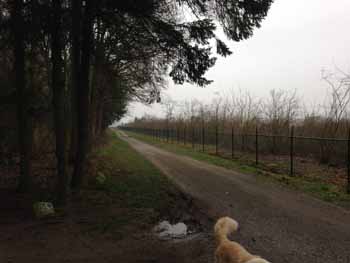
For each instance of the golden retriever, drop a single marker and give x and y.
(229, 251)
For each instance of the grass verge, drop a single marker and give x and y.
(129, 175)
(135, 193)
(315, 187)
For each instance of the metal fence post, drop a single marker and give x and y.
(256, 146)
(348, 164)
(177, 135)
(292, 151)
(273, 143)
(185, 134)
(242, 146)
(216, 139)
(203, 139)
(192, 139)
(232, 143)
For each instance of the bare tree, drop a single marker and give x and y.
(280, 110)
(169, 106)
(336, 110)
(216, 105)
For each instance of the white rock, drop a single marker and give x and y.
(166, 230)
(163, 226)
(180, 229)
(101, 178)
(42, 209)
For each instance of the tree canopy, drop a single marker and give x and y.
(79, 63)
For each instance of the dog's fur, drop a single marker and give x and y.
(229, 251)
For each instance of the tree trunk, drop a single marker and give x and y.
(93, 98)
(97, 82)
(99, 119)
(76, 70)
(82, 102)
(58, 87)
(24, 123)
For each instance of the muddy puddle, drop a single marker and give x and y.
(183, 221)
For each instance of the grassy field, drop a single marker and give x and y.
(317, 188)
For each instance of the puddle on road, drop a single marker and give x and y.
(176, 232)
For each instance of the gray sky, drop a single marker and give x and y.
(297, 40)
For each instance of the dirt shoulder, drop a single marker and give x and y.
(277, 223)
(109, 222)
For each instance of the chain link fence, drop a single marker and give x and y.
(323, 158)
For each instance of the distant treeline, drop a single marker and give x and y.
(274, 115)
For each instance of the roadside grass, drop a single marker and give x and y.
(207, 156)
(313, 186)
(326, 192)
(141, 184)
(134, 195)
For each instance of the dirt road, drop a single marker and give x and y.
(277, 223)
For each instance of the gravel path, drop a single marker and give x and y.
(277, 223)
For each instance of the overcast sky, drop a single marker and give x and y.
(297, 40)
